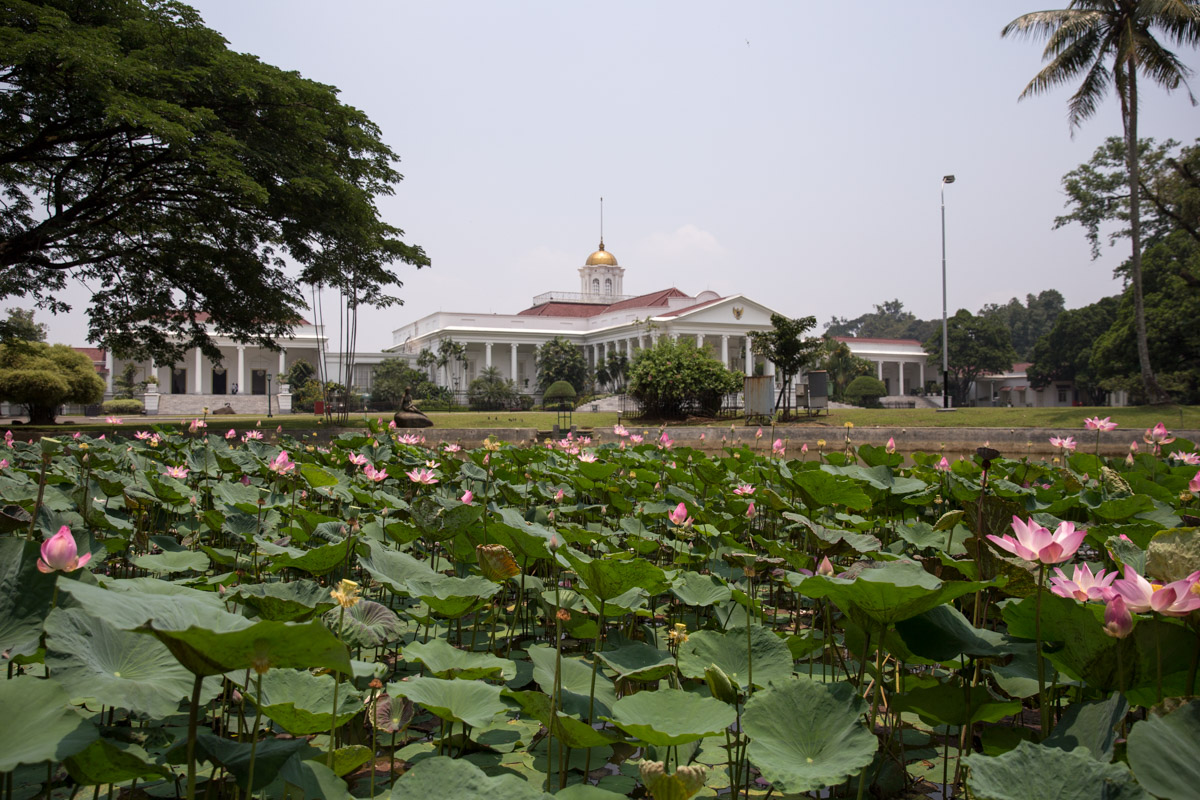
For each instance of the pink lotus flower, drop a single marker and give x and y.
(176, 472)
(1067, 443)
(254, 434)
(587, 458)
(620, 430)
(432, 464)
(1083, 585)
(743, 490)
(113, 420)
(750, 512)
(282, 464)
(1176, 599)
(1158, 436)
(423, 476)
(231, 434)
(8, 439)
(1194, 484)
(943, 465)
(1035, 543)
(376, 475)
(140, 435)
(452, 448)
(468, 497)
(1192, 459)
(1097, 424)
(357, 459)
(409, 438)
(664, 442)
(803, 449)
(3, 463)
(758, 434)
(778, 449)
(890, 447)
(61, 554)
(196, 425)
(636, 438)
(680, 516)
(1118, 622)
(825, 568)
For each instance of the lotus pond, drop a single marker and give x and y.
(194, 614)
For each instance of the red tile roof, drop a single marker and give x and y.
(558, 309)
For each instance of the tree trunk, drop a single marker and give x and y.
(42, 415)
(1154, 393)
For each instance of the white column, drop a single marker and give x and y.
(901, 388)
(879, 369)
(241, 374)
(921, 369)
(513, 359)
(108, 365)
(725, 350)
(641, 341)
(282, 365)
(487, 355)
(153, 371)
(770, 368)
(749, 357)
(197, 385)
(699, 340)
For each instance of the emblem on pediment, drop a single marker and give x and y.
(737, 312)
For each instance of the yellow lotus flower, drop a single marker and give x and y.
(346, 593)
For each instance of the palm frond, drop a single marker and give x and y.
(1063, 68)
(1087, 97)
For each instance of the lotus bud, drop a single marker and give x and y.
(719, 684)
(825, 569)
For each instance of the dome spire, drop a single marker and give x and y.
(602, 223)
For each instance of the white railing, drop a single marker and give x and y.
(580, 297)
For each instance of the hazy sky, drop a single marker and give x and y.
(789, 151)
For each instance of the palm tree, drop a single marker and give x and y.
(1107, 42)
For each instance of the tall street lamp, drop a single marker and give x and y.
(945, 338)
(269, 395)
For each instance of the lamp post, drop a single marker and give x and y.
(945, 337)
(269, 395)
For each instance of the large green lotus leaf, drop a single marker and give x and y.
(1078, 646)
(313, 779)
(208, 640)
(39, 723)
(1092, 725)
(302, 703)
(609, 578)
(639, 661)
(100, 664)
(671, 716)
(943, 633)
(526, 539)
(440, 776)
(446, 661)
(1164, 752)
(828, 538)
(317, 561)
(108, 761)
(946, 704)
(576, 677)
(571, 731)
(171, 562)
(767, 654)
(395, 569)
(806, 735)
(884, 595)
(1174, 554)
(293, 601)
(25, 598)
(474, 702)
(819, 489)
(453, 597)
(365, 624)
(694, 589)
(269, 756)
(1035, 772)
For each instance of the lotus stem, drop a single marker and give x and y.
(587, 762)
(337, 678)
(1041, 664)
(258, 704)
(193, 711)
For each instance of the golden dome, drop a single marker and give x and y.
(601, 258)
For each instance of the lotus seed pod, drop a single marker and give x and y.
(719, 684)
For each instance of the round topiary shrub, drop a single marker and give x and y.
(865, 391)
(123, 406)
(559, 393)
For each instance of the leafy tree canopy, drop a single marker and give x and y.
(179, 179)
(841, 367)
(491, 391)
(20, 327)
(560, 360)
(393, 375)
(676, 377)
(1027, 322)
(889, 320)
(1065, 352)
(978, 345)
(43, 376)
(789, 349)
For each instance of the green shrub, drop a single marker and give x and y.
(559, 393)
(491, 391)
(865, 391)
(675, 378)
(125, 405)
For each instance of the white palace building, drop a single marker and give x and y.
(604, 321)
